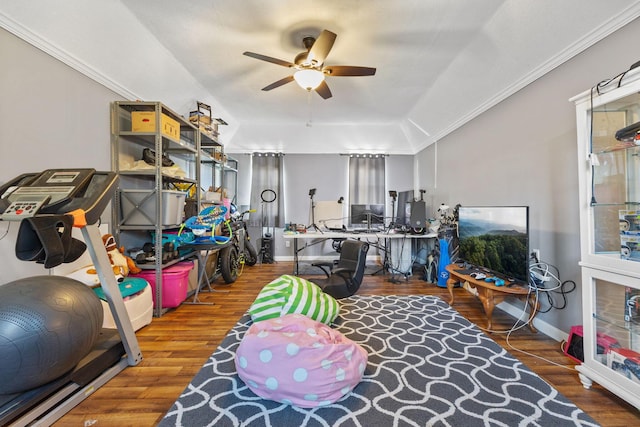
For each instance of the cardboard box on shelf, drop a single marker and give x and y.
(630, 246)
(145, 121)
(631, 305)
(626, 362)
(629, 221)
(213, 196)
(198, 117)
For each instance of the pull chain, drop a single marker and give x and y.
(310, 122)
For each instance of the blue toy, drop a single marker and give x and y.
(496, 281)
(206, 222)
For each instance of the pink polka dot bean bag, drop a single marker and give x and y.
(299, 361)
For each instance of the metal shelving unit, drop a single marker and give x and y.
(153, 185)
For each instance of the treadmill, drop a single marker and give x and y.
(77, 197)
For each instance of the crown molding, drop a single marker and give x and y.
(598, 33)
(63, 56)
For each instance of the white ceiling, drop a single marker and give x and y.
(439, 62)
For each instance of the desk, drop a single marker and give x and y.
(313, 238)
(489, 293)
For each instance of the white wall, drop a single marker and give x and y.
(51, 116)
(523, 151)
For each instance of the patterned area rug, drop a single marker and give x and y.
(428, 366)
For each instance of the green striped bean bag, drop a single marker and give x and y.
(290, 294)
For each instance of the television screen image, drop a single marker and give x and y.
(496, 238)
(367, 215)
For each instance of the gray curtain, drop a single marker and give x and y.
(366, 179)
(266, 183)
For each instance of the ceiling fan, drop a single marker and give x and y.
(309, 65)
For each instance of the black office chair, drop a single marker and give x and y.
(344, 278)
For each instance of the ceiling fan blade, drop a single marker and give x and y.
(323, 90)
(321, 47)
(270, 59)
(347, 70)
(278, 83)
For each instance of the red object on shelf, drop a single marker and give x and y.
(575, 345)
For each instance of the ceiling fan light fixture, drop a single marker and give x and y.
(308, 79)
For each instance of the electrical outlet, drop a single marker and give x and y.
(287, 243)
(536, 253)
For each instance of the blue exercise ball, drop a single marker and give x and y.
(47, 325)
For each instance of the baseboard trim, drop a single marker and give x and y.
(289, 258)
(542, 326)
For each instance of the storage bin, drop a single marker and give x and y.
(139, 305)
(145, 121)
(136, 210)
(175, 282)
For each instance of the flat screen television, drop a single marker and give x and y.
(496, 238)
(367, 215)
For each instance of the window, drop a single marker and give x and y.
(366, 179)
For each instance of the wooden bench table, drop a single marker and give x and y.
(490, 294)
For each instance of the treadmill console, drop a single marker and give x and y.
(48, 204)
(57, 191)
(50, 188)
(24, 206)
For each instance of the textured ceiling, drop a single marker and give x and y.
(439, 62)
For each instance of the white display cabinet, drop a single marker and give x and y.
(609, 195)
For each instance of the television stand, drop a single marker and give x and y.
(490, 294)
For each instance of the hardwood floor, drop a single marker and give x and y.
(176, 345)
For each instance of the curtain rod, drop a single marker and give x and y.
(267, 154)
(370, 155)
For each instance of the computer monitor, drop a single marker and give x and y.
(366, 216)
(329, 214)
(403, 211)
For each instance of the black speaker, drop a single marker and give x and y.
(418, 214)
(267, 249)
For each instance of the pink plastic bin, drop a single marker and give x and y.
(175, 283)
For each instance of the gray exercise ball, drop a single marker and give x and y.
(47, 325)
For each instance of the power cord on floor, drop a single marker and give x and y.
(519, 324)
(544, 281)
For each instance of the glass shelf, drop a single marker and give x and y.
(617, 315)
(615, 173)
